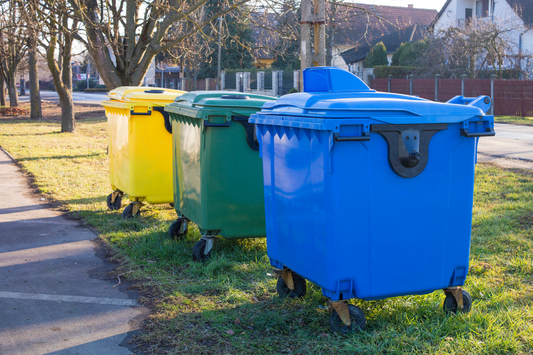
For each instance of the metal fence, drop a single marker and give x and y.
(231, 81)
(511, 97)
(253, 81)
(288, 82)
(268, 81)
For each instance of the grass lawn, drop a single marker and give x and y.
(229, 305)
(526, 121)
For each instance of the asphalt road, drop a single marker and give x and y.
(55, 293)
(78, 97)
(512, 147)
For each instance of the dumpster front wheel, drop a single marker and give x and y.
(131, 211)
(198, 252)
(114, 205)
(178, 229)
(300, 287)
(357, 318)
(451, 306)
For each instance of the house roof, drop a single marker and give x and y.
(359, 28)
(524, 9)
(391, 42)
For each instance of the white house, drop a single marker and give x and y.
(519, 13)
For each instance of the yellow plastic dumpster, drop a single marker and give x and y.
(140, 147)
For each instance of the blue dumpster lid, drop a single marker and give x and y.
(330, 92)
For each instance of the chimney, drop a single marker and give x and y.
(410, 6)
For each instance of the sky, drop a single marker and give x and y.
(421, 4)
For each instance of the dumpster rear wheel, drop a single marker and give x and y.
(300, 287)
(451, 306)
(177, 230)
(113, 206)
(198, 252)
(171, 205)
(357, 318)
(132, 210)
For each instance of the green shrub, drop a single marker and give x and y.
(413, 53)
(396, 56)
(96, 90)
(81, 85)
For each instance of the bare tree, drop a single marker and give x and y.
(59, 32)
(124, 36)
(29, 10)
(13, 45)
(470, 48)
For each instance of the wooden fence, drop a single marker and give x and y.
(511, 97)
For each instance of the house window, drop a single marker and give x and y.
(468, 15)
(482, 8)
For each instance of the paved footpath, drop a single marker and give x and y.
(54, 295)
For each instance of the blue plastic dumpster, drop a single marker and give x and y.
(368, 194)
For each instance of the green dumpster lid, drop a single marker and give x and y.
(223, 99)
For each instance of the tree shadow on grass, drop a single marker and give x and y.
(61, 157)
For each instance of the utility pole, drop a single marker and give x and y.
(219, 78)
(313, 19)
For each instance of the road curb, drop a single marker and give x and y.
(9, 155)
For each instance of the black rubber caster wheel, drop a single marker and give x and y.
(300, 287)
(116, 205)
(128, 212)
(171, 205)
(174, 230)
(450, 304)
(198, 251)
(357, 317)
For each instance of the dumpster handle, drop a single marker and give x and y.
(364, 137)
(207, 124)
(166, 118)
(489, 133)
(133, 113)
(251, 137)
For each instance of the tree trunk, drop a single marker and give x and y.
(12, 89)
(35, 96)
(68, 122)
(2, 91)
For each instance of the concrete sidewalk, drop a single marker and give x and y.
(54, 295)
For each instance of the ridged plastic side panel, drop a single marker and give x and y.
(339, 216)
(218, 178)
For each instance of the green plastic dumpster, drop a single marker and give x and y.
(217, 171)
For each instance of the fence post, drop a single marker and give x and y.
(389, 77)
(207, 84)
(260, 80)
(437, 76)
(222, 85)
(411, 84)
(280, 82)
(275, 83)
(184, 84)
(246, 82)
(238, 81)
(492, 77)
(463, 77)
(296, 80)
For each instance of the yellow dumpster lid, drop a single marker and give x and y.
(144, 94)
